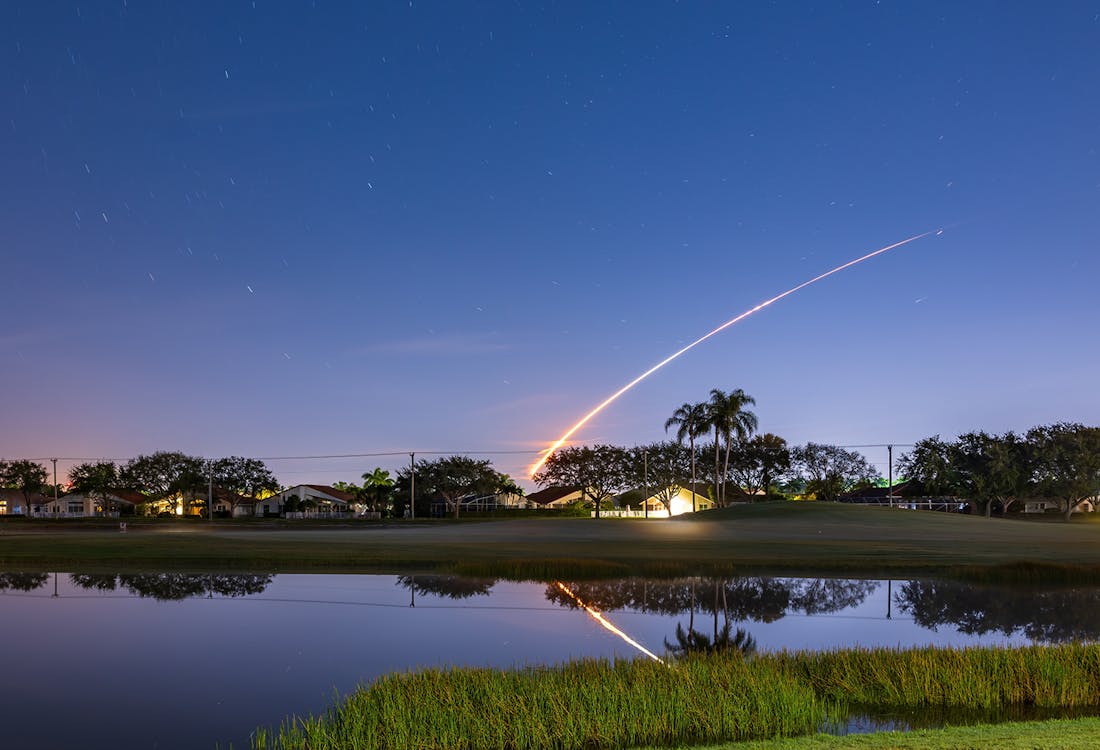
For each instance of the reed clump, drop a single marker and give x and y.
(1066, 676)
(601, 704)
(583, 704)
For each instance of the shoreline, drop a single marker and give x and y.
(787, 539)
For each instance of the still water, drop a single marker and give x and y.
(198, 661)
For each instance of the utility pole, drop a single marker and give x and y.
(645, 481)
(210, 494)
(890, 474)
(412, 485)
(55, 482)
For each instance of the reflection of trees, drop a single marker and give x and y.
(758, 598)
(175, 586)
(724, 641)
(23, 581)
(94, 581)
(1049, 616)
(452, 587)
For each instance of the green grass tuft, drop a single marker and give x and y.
(600, 704)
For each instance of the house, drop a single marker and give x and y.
(307, 501)
(680, 502)
(875, 495)
(228, 504)
(1042, 505)
(475, 503)
(555, 497)
(83, 505)
(13, 503)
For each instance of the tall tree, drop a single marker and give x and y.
(690, 421)
(727, 414)
(831, 470)
(991, 469)
(96, 479)
(1067, 462)
(984, 469)
(377, 489)
(242, 478)
(598, 471)
(29, 477)
(167, 475)
(757, 462)
(660, 469)
(455, 478)
(932, 463)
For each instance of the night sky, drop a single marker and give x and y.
(309, 228)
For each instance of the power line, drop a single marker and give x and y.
(301, 458)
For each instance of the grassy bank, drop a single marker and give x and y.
(597, 704)
(791, 538)
(1071, 734)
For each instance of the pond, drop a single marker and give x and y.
(191, 661)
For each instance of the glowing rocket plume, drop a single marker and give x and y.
(604, 622)
(607, 401)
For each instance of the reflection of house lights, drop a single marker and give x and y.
(605, 623)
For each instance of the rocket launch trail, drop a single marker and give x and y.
(611, 399)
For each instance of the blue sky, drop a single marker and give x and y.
(314, 228)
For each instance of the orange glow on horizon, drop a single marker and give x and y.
(610, 399)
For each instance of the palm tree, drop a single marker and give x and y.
(726, 413)
(691, 420)
(377, 486)
(726, 641)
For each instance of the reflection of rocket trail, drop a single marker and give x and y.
(604, 622)
(607, 402)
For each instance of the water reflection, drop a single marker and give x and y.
(450, 587)
(725, 641)
(22, 581)
(1048, 616)
(711, 604)
(175, 586)
(760, 599)
(239, 671)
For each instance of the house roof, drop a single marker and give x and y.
(701, 491)
(347, 497)
(16, 496)
(324, 489)
(908, 488)
(551, 494)
(223, 495)
(130, 496)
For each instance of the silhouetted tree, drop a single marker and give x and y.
(831, 470)
(600, 471)
(691, 422)
(29, 477)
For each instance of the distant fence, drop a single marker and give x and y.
(941, 504)
(318, 514)
(632, 514)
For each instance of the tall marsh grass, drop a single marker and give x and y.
(600, 704)
(583, 704)
(1043, 676)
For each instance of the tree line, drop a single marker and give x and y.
(716, 453)
(186, 481)
(736, 464)
(1059, 462)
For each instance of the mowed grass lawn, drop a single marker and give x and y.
(1069, 734)
(773, 536)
